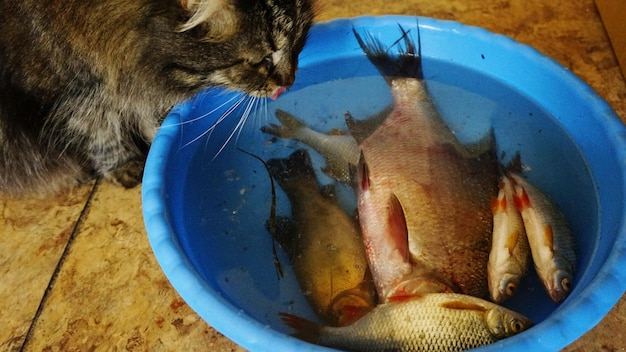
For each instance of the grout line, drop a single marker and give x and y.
(57, 269)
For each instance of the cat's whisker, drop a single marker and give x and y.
(250, 109)
(227, 113)
(208, 113)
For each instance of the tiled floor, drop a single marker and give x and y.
(77, 272)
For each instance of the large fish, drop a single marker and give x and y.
(339, 149)
(551, 241)
(431, 322)
(323, 243)
(510, 252)
(444, 188)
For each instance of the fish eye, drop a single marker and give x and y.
(516, 325)
(566, 284)
(511, 288)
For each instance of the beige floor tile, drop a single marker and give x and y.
(111, 294)
(34, 231)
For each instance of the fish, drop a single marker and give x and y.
(510, 251)
(323, 243)
(429, 322)
(552, 244)
(339, 149)
(412, 161)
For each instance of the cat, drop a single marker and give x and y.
(84, 84)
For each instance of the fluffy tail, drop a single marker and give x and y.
(407, 64)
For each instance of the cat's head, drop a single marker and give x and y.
(246, 45)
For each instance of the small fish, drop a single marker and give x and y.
(551, 241)
(508, 259)
(430, 322)
(323, 243)
(339, 149)
(443, 187)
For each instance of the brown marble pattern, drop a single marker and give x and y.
(109, 293)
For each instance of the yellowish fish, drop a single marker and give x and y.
(510, 252)
(430, 322)
(323, 243)
(551, 241)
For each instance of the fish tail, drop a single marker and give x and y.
(304, 329)
(407, 64)
(297, 166)
(290, 125)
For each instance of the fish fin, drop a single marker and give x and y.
(304, 329)
(511, 242)
(286, 230)
(549, 236)
(352, 313)
(515, 165)
(360, 174)
(398, 228)
(499, 204)
(463, 306)
(485, 147)
(297, 166)
(403, 297)
(521, 199)
(361, 129)
(290, 123)
(337, 132)
(407, 64)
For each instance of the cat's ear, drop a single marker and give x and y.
(219, 16)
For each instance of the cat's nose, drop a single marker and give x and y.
(284, 79)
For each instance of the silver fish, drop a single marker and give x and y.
(323, 243)
(510, 252)
(431, 322)
(552, 244)
(339, 149)
(443, 187)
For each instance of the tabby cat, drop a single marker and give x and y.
(84, 84)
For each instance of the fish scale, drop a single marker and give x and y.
(444, 188)
(431, 322)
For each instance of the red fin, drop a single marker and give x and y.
(494, 205)
(352, 313)
(397, 225)
(305, 329)
(498, 204)
(403, 297)
(521, 200)
(463, 305)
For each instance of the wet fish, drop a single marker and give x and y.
(431, 322)
(508, 259)
(338, 148)
(552, 244)
(323, 243)
(443, 187)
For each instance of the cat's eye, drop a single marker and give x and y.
(267, 63)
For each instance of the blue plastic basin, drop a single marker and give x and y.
(204, 207)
